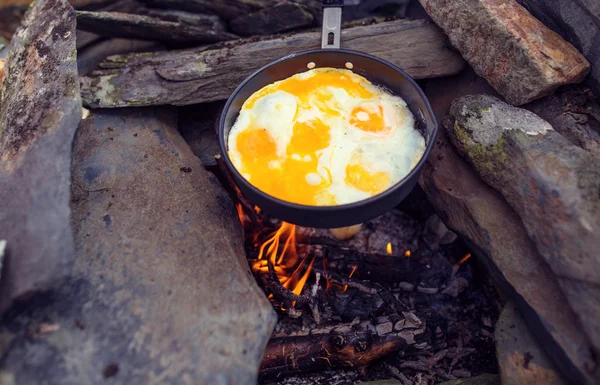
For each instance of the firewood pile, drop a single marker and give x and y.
(128, 255)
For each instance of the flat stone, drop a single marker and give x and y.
(551, 184)
(519, 56)
(578, 22)
(40, 108)
(573, 114)
(89, 57)
(522, 360)
(478, 213)
(125, 25)
(483, 379)
(160, 292)
(282, 17)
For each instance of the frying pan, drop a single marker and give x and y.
(376, 70)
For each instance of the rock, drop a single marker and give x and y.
(40, 109)
(125, 25)
(198, 126)
(483, 379)
(520, 57)
(89, 57)
(496, 234)
(282, 17)
(522, 360)
(437, 233)
(208, 74)
(551, 184)
(578, 22)
(573, 114)
(160, 292)
(380, 382)
(2, 64)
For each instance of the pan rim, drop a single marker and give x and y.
(347, 206)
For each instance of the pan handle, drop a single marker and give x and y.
(332, 23)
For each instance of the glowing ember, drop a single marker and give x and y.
(407, 253)
(464, 259)
(388, 248)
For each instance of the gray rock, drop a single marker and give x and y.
(282, 17)
(478, 213)
(552, 185)
(519, 56)
(40, 108)
(125, 25)
(89, 57)
(161, 292)
(578, 22)
(574, 115)
(521, 358)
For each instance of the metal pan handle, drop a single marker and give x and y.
(332, 23)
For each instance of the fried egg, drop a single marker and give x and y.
(324, 137)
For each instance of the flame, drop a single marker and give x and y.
(407, 253)
(280, 250)
(388, 248)
(463, 259)
(240, 212)
(350, 276)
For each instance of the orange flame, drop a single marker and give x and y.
(291, 270)
(388, 248)
(350, 276)
(463, 259)
(407, 253)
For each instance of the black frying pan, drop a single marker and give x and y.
(376, 70)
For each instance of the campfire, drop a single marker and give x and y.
(133, 250)
(381, 302)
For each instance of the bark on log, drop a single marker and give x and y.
(227, 9)
(40, 108)
(346, 345)
(211, 73)
(280, 18)
(124, 25)
(519, 56)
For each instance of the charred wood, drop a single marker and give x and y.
(355, 344)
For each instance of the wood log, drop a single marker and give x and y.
(211, 73)
(125, 25)
(282, 17)
(227, 9)
(346, 345)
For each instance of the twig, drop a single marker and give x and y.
(283, 294)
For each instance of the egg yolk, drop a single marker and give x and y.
(296, 178)
(369, 119)
(308, 138)
(365, 180)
